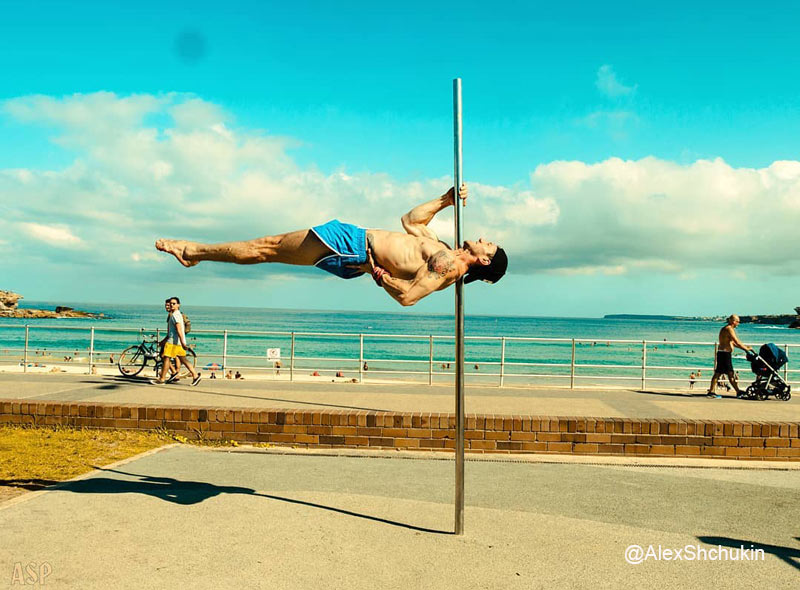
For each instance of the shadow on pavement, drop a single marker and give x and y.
(120, 381)
(685, 395)
(786, 554)
(28, 483)
(194, 492)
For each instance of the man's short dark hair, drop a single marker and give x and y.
(492, 272)
(175, 298)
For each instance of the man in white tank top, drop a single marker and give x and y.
(175, 346)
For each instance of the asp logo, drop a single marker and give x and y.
(30, 574)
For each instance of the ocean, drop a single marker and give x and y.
(674, 347)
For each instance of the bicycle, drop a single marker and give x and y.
(135, 358)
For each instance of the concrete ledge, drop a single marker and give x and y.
(485, 433)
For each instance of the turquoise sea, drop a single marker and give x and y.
(336, 344)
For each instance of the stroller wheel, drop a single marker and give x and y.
(786, 396)
(762, 394)
(750, 392)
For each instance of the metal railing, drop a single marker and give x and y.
(500, 360)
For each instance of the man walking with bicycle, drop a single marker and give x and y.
(175, 345)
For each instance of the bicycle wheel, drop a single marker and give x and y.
(131, 361)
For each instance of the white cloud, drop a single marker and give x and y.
(658, 216)
(56, 235)
(175, 166)
(609, 85)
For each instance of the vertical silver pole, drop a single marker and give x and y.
(91, 350)
(572, 367)
(644, 364)
(786, 366)
(502, 360)
(430, 360)
(458, 173)
(714, 362)
(361, 358)
(25, 353)
(291, 361)
(224, 351)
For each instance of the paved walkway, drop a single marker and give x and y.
(189, 517)
(623, 403)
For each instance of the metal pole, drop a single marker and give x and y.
(361, 358)
(291, 361)
(572, 367)
(502, 360)
(25, 353)
(224, 351)
(786, 366)
(430, 360)
(91, 350)
(644, 365)
(458, 173)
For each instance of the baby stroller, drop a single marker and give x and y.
(768, 382)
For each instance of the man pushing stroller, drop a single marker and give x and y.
(724, 365)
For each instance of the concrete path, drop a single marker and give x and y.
(622, 403)
(189, 517)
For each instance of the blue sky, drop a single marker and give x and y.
(631, 158)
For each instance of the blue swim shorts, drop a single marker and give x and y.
(349, 246)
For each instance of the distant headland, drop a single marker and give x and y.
(790, 320)
(9, 309)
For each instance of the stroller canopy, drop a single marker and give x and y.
(774, 356)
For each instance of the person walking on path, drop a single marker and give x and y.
(408, 266)
(175, 347)
(724, 365)
(173, 365)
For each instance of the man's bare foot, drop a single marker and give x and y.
(177, 249)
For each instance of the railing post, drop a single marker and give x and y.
(25, 351)
(502, 360)
(714, 360)
(786, 366)
(291, 361)
(644, 365)
(430, 359)
(361, 358)
(572, 367)
(224, 351)
(91, 351)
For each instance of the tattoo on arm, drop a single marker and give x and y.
(440, 264)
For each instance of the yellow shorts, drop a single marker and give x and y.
(173, 350)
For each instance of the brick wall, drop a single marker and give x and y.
(425, 431)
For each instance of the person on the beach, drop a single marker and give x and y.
(175, 347)
(408, 266)
(724, 365)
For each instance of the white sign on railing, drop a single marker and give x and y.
(273, 354)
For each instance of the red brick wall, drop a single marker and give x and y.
(425, 431)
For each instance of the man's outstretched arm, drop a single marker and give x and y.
(416, 221)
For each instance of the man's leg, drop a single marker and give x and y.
(301, 247)
(188, 365)
(735, 382)
(712, 389)
(195, 374)
(165, 360)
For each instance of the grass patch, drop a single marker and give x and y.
(33, 458)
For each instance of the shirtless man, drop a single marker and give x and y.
(724, 365)
(408, 266)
